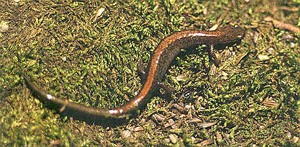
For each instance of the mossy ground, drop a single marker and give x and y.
(252, 98)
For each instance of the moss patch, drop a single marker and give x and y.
(252, 98)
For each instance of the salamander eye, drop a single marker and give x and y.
(240, 36)
(240, 32)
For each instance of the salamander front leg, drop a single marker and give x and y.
(213, 57)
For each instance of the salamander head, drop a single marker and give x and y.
(231, 34)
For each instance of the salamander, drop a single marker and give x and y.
(161, 58)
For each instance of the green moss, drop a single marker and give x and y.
(67, 53)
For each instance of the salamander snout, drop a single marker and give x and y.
(231, 34)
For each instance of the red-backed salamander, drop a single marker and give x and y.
(164, 53)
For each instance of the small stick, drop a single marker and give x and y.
(282, 25)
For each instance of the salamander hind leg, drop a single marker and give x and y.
(168, 90)
(141, 71)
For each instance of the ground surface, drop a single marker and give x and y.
(252, 98)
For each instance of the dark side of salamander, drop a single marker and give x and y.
(161, 58)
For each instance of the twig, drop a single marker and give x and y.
(282, 25)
